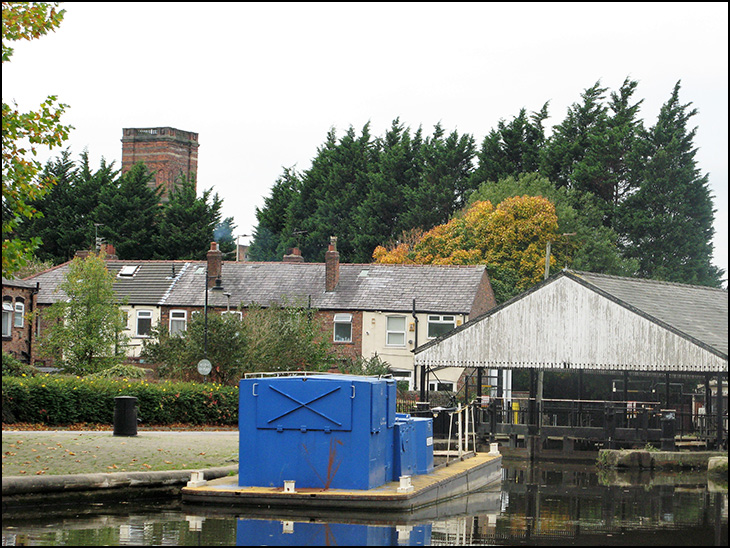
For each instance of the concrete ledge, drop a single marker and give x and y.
(717, 468)
(21, 485)
(657, 460)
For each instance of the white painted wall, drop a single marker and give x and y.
(134, 348)
(374, 341)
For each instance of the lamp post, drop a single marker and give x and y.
(204, 364)
(547, 253)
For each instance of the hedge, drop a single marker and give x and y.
(59, 401)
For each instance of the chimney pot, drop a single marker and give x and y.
(215, 261)
(294, 257)
(332, 265)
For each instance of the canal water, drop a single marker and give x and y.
(542, 504)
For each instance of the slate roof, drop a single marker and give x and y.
(18, 283)
(698, 311)
(374, 287)
(150, 284)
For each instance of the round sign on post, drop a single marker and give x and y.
(204, 367)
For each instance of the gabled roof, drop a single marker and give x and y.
(18, 283)
(446, 289)
(149, 285)
(697, 311)
(594, 321)
(375, 287)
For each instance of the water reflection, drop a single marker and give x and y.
(543, 504)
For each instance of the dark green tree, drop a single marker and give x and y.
(396, 170)
(572, 138)
(608, 167)
(272, 217)
(666, 225)
(330, 192)
(188, 222)
(445, 181)
(512, 148)
(68, 211)
(129, 213)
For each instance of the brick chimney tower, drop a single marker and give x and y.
(215, 262)
(168, 152)
(332, 265)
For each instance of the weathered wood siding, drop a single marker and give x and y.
(567, 325)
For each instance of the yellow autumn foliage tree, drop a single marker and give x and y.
(511, 237)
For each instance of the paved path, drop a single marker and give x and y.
(64, 459)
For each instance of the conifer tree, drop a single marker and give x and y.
(667, 223)
(572, 139)
(379, 215)
(272, 217)
(129, 213)
(445, 181)
(188, 222)
(513, 148)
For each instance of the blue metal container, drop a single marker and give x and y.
(255, 532)
(405, 447)
(320, 431)
(424, 444)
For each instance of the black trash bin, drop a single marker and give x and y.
(668, 431)
(125, 416)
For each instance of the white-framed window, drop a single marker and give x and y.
(237, 313)
(343, 328)
(19, 320)
(395, 331)
(438, 325)
(403, 376)
(441, 386)
(144, 323)
(7, 319)
(178, 322)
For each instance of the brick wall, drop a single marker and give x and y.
(167, 151)
(20, 343)
(346, 350)
(484, 299)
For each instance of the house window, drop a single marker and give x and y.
(178, 322)
(7, 318)
(19, 314)
(237, 313)
(441, 386)
(343, 328)
(144, 323)
(395, 331)
(438, 325)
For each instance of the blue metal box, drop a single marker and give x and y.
(405, 447)
(320, 431)
(424, 444)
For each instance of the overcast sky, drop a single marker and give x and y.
(263, 83)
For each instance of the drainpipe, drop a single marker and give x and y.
(424, 382)
(33, 297)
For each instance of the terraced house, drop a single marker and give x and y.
(367, 309)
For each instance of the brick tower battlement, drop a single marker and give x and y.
(167, 151)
